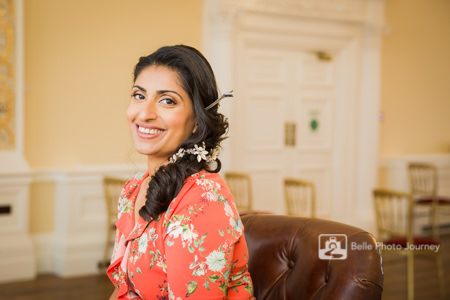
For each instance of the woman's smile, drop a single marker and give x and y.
(147, 132)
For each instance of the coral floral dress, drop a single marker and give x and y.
(195, 250)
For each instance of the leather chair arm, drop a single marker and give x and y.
(284, 261)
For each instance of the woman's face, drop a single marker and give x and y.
(160, 114)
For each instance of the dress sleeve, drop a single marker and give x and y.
(123, 208)
(206, 253)
(117, 271)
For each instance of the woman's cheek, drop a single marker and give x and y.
(130, 113)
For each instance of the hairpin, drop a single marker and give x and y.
(224, 95)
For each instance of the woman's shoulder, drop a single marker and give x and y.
(205, 198)
(206, 181)
(202, 186)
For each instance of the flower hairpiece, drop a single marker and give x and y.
(201, 152)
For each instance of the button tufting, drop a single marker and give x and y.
(291, 264)
(326, 278)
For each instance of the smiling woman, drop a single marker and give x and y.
(179, 233)
(160, 114)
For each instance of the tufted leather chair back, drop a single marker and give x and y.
(284, 260)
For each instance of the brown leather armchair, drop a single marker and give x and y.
(284, 259)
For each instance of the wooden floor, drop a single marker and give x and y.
(426, 279)
(50, 287)
(98, 287)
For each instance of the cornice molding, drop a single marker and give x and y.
(359, 11)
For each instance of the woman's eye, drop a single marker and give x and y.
(168, 101)
(138, 96)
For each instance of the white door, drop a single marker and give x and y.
(286, 123)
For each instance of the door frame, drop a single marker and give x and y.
(361, 23)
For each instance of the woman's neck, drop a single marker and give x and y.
(154, 164)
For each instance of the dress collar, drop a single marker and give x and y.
(126, 221)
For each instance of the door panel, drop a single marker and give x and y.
(279, 85)
(261, 131)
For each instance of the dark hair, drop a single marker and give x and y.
(198, 80)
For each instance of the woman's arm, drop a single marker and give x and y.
(200, 246)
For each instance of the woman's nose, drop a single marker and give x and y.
(148, 110)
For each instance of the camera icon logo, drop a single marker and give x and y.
(332, 246)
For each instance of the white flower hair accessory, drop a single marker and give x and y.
(201, 152)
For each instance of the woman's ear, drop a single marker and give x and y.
(195, 128)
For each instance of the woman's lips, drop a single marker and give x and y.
(148, 132)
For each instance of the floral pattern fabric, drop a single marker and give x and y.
(195, 250)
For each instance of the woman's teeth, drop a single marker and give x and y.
(149, 130)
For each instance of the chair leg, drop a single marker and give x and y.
(106, 257)
(441, 277)
(410, 274)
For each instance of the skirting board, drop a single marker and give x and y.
(71, 257)
(17, 260)
(44, 252)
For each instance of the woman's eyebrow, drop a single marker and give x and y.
(140, 88)
(160, 92)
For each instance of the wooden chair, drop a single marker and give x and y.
(300, 197)
(241, 188)
(112, 187)
(394, 218)
(423, 178)
(424, 183)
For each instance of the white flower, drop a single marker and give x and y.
(174, 229)
(236, 224)
(218, 186)
(216, 261)
(195, 263)
(177, 155)
(228, 211)
(200, 152)
(214, 154)
(151, 231)
(143, 243)
(171, 295)
(198, 269)
(162, 264)
(210, 196)
(189, 234)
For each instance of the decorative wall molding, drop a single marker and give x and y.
(225, 12)
(8, 53)
(76, 245)
(11, 86)
(44, 252)
(348, 10)
(17, 260)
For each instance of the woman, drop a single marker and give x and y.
(179, 234)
